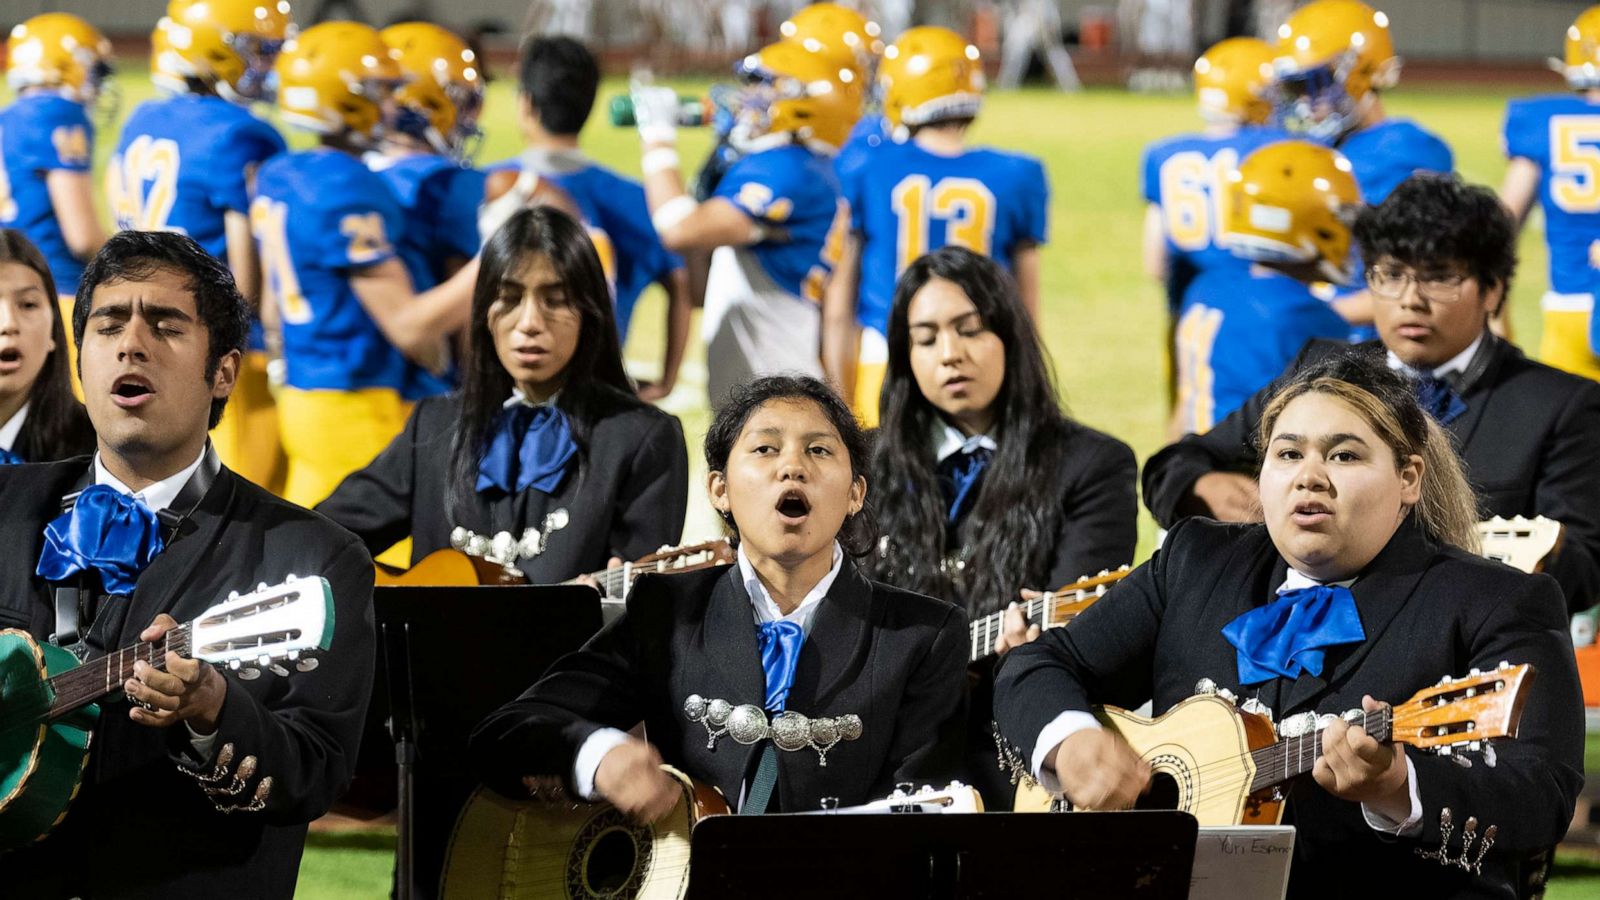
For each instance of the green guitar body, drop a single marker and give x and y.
(41, 762)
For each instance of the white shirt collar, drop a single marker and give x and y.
(557, 161)
(1297, 579)
(157, 496)
(12, 428)
(766, 610)
(950, 440)
(517, 396)
(1453, 366)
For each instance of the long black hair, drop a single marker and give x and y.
(859, 531)
(1014, 520)
(595, 383)
(56, 427)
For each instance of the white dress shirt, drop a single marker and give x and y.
(1455, 365)
(762, 608)
(949, 440)
(12, 428)
(1074, 721)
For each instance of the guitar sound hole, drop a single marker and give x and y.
(611, 863)
(1163, 793)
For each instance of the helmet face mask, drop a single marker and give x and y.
(443, 95)
(1315, 102)
(258, 54)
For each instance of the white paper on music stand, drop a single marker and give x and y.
(1242, 862)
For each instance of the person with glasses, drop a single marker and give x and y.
(1440, 254)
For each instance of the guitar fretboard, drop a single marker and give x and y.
(615, 581)
(106, 675)
(1291, 757)
(1045, 609)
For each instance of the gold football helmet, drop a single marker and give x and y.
(1232, 80)
(1293, 202)
(226, 45)
(1582, 67)
(928, 75)
(789, 88)
(58, 51)
(1333, 57)
(443, 95)
(829, 27)
(336, 78)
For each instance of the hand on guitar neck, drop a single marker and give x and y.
(1355, 766)
(593, 580)
(1017, 631)
(189, 690)
(631, 779)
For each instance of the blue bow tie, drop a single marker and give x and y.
(780, 651)
(9, 458)
(529, 446)
(1289, 634)
(959, 474)
(105, 531)
(1439, 400)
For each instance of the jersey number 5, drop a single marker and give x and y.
(965, 205)
(1575, 163)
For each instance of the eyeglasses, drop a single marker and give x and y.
(1389, 283)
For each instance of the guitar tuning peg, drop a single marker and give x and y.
(1474, 671)
(1475, 746)
(1444, 680)
(1444, 750)
(233, 595)
(1503, 665)
(306, 664)
(264, 660)
(292, 577)
(664, 548)
(279, 671)
(293, 655)
(233, 665)
(249, 674)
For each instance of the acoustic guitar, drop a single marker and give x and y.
(1521, 543)
(48, 699)
(1052, 609)
(527, 850)
(1225, 766)
(453, 568)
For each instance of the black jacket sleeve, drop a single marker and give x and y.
(1530, 792)
(1101, 524)
(930, 734)
(1568, 490)
(298, 739)
(654, 493)
(1105, 654)
(376, 502)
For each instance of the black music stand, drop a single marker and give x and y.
(447, 657)
(968, 856)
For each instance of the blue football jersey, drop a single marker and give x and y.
(1239, 328)
(1561, 135)
(318, 216)
(182, 163)
(439, 200)
(1391, 151)
(40, 133)
(793, 192)
(1183, 175)
(906, 201)
(870, 132)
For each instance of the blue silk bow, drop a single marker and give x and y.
(9, 458)
(959, 474)
(530, 446)
(105, 531)
(1289, 634)
(1439, 400)
(780, 651)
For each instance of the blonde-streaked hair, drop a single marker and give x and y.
(1447, 508)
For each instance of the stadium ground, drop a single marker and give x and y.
(1102, 319)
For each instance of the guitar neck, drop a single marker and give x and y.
(1049, 610)
(1292, 757)
(80, 686)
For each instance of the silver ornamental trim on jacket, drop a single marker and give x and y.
(789, 731)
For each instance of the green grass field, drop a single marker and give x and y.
(1102, 319)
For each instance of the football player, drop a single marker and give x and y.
(1334, 60)
(354, 332)
(185, 162)
(1289, 209)
(776, 223)
(908, 198)
(557, 84)
(1553, 143)
(56, 64)
(424, 155)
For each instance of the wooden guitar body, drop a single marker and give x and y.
(449, 568)
(1199, 757)
(40, 760)
(523, 850)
